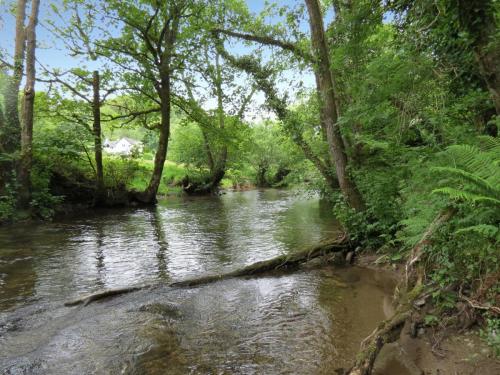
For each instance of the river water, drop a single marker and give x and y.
(305, 322)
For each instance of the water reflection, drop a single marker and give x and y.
(306, 322)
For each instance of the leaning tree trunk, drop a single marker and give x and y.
(329, 106)
(96, 129)
(28, 109)
(279, 106)
(390, 330)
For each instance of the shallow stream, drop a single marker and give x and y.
(306, 322)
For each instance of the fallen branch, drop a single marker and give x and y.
(286, 261)
(85, 300)
(477, 305)
(390, 330)
(281, 262)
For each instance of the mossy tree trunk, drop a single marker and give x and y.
(96, 130)
(329, 106)
(28, 109)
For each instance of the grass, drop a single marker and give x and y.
(135, 173)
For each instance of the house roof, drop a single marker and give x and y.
(130, 141)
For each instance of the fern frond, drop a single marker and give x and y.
(466, 196)
(480, 184)
(474, 160)
(485, 230)
(489, 144)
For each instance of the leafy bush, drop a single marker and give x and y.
(8, 201)
(119, 172)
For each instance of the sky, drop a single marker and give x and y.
(52, 53)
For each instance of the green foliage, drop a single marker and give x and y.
(491, 333)
(464, 250)
(186, 145)
(119, 171)
(8, 201)
(475, 173)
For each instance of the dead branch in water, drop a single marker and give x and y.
(286, 261)
(281, 262)
(85, 300)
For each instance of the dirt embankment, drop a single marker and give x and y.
(433, 351)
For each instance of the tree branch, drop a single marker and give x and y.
(269, 41)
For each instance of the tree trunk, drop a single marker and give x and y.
(208, 149)
(149, 195)
(280, 263)
(489, 66)
(12, 131)
(260, 179)
(28, 109)
(329, 106)
(163, 88)
(96, 129)
(220, 163)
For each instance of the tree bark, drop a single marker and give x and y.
(164, 92)
(329, 106)
(219, 169)
(96, 129)
(11, 137)
(163, 88)
(28, 109)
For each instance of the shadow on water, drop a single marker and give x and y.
(308, 322)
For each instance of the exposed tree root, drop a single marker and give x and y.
(388, 331)
(418, 249)
(281, 262)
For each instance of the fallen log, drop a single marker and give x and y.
(282, 262)
(85, 300)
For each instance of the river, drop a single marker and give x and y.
(305, 322)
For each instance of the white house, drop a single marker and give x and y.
(122, 146)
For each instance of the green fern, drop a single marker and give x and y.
(475, 172)
(484, 230)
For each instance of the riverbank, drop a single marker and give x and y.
(431, 349)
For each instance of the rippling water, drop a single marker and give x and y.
(308, 322)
